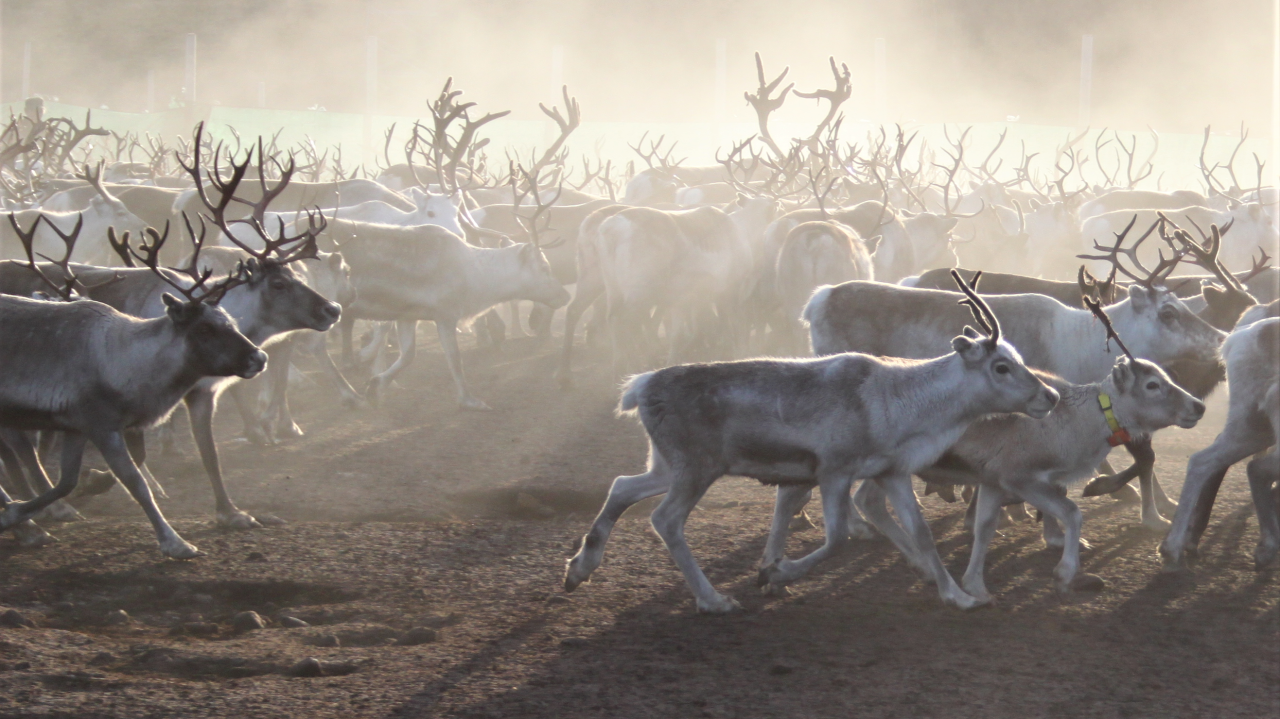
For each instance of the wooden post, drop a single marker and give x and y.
(189, 71)
(1275, 114)
(1086, 81)
(370, 93)
(881, 82)
(722, 89)
(549, 130)
(1, 52)
(26, 70)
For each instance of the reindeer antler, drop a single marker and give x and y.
(66, 290)
(981, 311)
(1149, 278)
(1096, 309)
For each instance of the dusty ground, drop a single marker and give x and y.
(417, 515)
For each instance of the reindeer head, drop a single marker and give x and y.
(1011, 386)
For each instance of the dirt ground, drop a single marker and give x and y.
(416, 516)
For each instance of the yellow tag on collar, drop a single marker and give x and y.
(1119, 435)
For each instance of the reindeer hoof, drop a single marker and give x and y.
(1264, 557)
(372, 392)
(1086, 583)
(179, 548)
(290, 431)
(720, 604)
(94, 483)
(1156, 523)
(30, 535)
(801, 522)
(237, 521)
(962, 600)
(60, 511)
(1127, 495)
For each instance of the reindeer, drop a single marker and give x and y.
(102, 373)
(683, 263)
(889, 320)
(271, 301)
(825, 422)
(1070, 294)
(1013, 458)
(816, 254)
(1252, 355)
(407, 274)
(104, 211)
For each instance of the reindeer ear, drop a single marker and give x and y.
(949, 223)
(969, 349)
(1122, 373)
(334, 259)
(1139, 297)
(971, 333)
(1035, 204)
(1211, 294)
(177, 310)
(505, 242)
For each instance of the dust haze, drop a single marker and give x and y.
(1173, 65)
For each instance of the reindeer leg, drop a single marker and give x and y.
(114, 450)
(255, 430)
(668, 521)
(791, 499)
(869, 500)
(585, 293)
(37, 480)
(624, 493)
(407, 332)
(274, 419)
(27, 532)
(1264, 471)
(201, 404)
(987, 505)
(351, 399)
(540, 317)
(836, 506)
(903, 497)
(346, 323)
(448, 332)
(16, 513)
(136, 441)
(1205, 472)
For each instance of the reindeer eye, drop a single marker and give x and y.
(1002, 369)
(430, 213)
(1153, 385)
(1168, 314)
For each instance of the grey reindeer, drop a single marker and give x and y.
(826, 422)
(91, 372)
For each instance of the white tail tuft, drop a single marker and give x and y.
(631, 390)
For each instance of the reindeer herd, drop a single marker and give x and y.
(804, 297)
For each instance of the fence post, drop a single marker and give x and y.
(721, 89)
(881, 82)
(189, 71)
(370, 94)
(1086, 80)
(26, 70)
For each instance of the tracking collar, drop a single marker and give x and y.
(1119, 435)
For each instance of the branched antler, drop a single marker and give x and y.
(764, 103)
